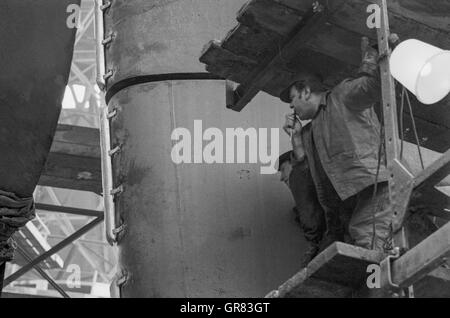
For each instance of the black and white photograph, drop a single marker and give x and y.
(225, 154)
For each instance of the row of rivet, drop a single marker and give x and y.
(108, 40)
(119, 190)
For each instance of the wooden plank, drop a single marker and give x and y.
(339, 43)
(352, 15)
(335, 272)
(255, 43)
(430, 13)
(265, 73)
(225, 63)
(344, 264)
(301, 6)
(270, 15)
(77, 141)
(72, 172)
(423, 258)
(74, 160)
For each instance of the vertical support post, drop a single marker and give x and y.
(401, 180)
(100, 49)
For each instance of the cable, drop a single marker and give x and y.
(401, 123)
(414, 127)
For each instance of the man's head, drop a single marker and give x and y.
(285, 167)
(304, 95)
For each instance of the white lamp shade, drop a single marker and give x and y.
(423, 69)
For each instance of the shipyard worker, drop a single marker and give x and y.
(342, 148)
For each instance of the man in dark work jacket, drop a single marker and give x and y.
(343, 147)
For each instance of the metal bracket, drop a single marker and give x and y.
(117, 191)
(119, 231)
(108, 75)
(112, 152)
(120, 279)
(386, 272)
(401, 186)
(105, 6)
(112, 114)
(108, 39)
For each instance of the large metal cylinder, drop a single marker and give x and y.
(191, 230)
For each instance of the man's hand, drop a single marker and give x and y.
(293, 127)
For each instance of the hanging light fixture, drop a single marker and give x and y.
(423, 69)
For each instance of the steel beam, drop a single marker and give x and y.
(43, 273)
(53, 250)
(68, 210)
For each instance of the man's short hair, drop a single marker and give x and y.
(312, 80)
(286, 157)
